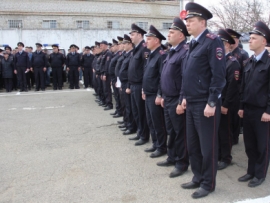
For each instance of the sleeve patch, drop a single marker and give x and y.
(108, 58)
(219, 53)
(146, 55)
(161, 52)
(186, 46)
(211, 36)
(232, 58)
(236, 75)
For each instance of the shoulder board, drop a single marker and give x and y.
(211, 36)
(144, 44)
(246, 61)
(186, 46)
(232, 58)
(120, 53)
(161, 52)
(269, 55)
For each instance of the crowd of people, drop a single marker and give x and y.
(191, 98)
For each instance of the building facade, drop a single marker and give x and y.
(79, 21)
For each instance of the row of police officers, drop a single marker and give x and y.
(196, 93)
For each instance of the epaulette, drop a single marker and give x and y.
(247, 60)
(186, 46)
(144, 44)
(211, 36)
(269, 55)
(120, 53)
(161, 52)
(232, 58)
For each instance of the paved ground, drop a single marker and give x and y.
(61, 147)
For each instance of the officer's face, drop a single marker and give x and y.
(55, 49)
(72, 49)
(127, 46)
(256, 42)
(175, 37)
(87, 51)
(8, 51)
(152, 43)
(135, 37)
(38, 48)
(195, 26)
(20, 48)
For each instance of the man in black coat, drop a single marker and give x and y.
(87, 61)
(7, 69)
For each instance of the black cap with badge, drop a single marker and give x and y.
(115, 42)
(87, 48)
(72, 46)
(225, 36)
(153, 32)
(120, 39)
(104, 42)
(136, 28)
(233, 33)
(196, 10)
(260, 28)
(178, 24)
(126, 39)
(38, 45)
(55, 45)
(20, 44)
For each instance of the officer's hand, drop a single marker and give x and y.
(224, 110)
(27, 69)
(67, 69)
(104, 77)
(96, 76)
(143, 96)
(128, 91)
(15, 72)
(184, 104)
(44, 69)
(162, 103)
(209, 111)
(265, 117)
(241, 113)
(31, 69)
(179, 109)
(158, 101)
(94, 70)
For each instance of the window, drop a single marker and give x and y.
(113, 24)
(82, 24)
(143, 25)
(166, 25)
(15, 24)
(49, 24)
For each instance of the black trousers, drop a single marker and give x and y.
(88, 77)
(39, 78)
(30, 79)
(131, 124)
(116, 90)
(100, 90)
(225, 138)
(202, 139)
(123, 105)
(257, 141)
(138, 110)
(22, 77)
(57, 74)
(15, 81)
(107, 91)
(235, 120)
(176, 129)
(156, 123)
(95, 83)
(73, 77)
(8, 84)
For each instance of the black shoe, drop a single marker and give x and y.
(36, 90)
(48, 85)
(77, 88)
(255, 182)
(123, 129)
(245, 178)
(128, 132)
(141, 142)
(134, 138)
(199, 193)
(122, 126)
(104, 105)
(151, 149)
(108, 108)
(95, 94)
(222, 165)
(113, 114)
(54, 88)
(165, 163)
(60, 88)
(117, 116)
(21, 90)
(26, 90)
(157, 153)
(97, 100)
(176, 172)
(101, 104)
(190, 185)
(42, 89)
(120, 122)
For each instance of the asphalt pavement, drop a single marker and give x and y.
(60, 146)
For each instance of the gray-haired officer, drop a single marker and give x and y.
(152, 93)
(230, 94)
(175, 117)
(203, 81)
(255, 106)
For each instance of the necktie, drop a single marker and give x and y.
(172, 51)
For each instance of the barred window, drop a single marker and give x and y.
(49, 24)
(15, 24)
(113, 24)
(83, 24)
(166, 25)
(143, 25)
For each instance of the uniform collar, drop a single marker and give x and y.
(259, 57)
(198, 37)
(179, 46)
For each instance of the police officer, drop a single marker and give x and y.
(123, 76)
(151, 93)
(87, 60)
(8, 49)
(7, 69)
(135, 77)
(241, 56)
(57, 61)
(255, 106)
(116, 55)
(38, 65)
(171, 82)
(73, 63)
(22, 66)
(229, 94)
(203, 81)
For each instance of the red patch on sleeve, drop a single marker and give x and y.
(236, 75)
(219, 53)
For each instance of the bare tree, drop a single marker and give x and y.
(239, 15)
